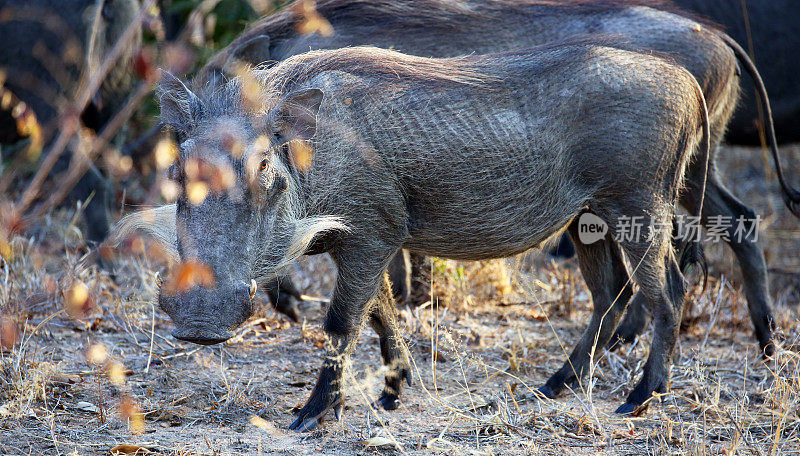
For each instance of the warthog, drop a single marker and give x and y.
(467, 158)
(445, 28)
(47, 46)
(771, 27)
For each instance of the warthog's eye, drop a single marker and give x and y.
(263, 164)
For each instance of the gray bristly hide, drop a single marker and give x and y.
(472, 158)
(444, 28)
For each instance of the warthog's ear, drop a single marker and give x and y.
(253, 52)
(295, 117)
(180, 107)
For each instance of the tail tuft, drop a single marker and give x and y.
(692, 254)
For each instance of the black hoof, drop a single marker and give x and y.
(304, 424)
(544, 392)
(631, 409)
(539, 394)
(308, 419)
(387, 402)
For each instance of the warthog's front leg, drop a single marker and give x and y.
(357, 283)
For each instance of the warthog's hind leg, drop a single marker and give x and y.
(283, 294)
(608, 281)
(393, 348)
(726, 208)
(661, 282)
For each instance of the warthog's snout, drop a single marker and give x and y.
(202, 335)
(208, 316)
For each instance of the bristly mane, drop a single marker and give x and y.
(397, 16)
(225, 99)
(372, 61)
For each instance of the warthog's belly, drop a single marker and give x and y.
(494, 223)
(455, 245)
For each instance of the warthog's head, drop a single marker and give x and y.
(239, 217)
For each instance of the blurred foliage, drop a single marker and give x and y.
(227, 20)
(230, 17)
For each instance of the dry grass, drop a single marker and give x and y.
(492, 333)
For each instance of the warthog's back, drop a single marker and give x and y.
(502, 141)
(446, 28)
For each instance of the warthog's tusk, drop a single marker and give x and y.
(314, 298)
(253, 288)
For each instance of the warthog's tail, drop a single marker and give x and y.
(692, 252)
(791, 196)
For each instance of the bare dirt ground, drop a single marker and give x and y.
(117, 382)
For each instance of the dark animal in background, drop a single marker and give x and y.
(444, 157)
(442, 28)
(775, 36)
(47, 45)
(774, 32)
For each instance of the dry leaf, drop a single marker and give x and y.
(170, 190)
(166, 152)
(9, 333)
(264, 425)
(97, 354)
(78, 303)
(379, 441)
(87, 407)
(310, 21)
(116, 373)
(6, 251)
(130, 410)
(60, 377)
(196, 191)
(187, 275)
(302, 155)
(251, 89)
(77, 294)
(135, 450)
